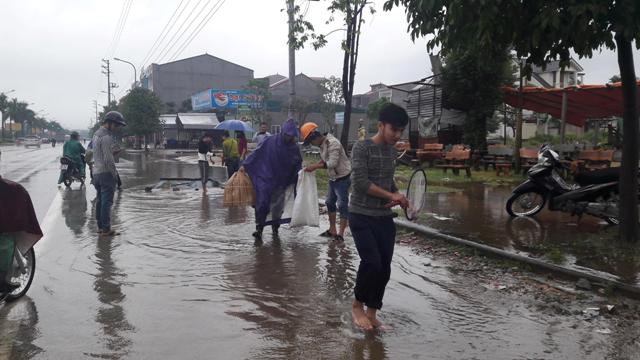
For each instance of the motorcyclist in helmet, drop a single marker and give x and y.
(74, 150)
(104, 170)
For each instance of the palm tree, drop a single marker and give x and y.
(19, 111)
(4, 103)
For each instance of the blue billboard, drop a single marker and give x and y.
(224, 99)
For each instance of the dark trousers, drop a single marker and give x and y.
(204, 172)
(233, 164)
(105, 185)
(375, 238)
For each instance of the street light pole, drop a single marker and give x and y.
(292, 59)
(135, 72)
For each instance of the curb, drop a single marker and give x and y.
(572, 273)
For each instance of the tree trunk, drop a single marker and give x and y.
(629, 170)
(346, 84)
(516, 150)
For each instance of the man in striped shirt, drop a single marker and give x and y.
(105, 174)
(370, 215)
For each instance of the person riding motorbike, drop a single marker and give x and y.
(74, 150)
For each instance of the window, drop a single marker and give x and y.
(385, 94)
(275, 129)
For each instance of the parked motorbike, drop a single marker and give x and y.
(70, 171)
(596, 192)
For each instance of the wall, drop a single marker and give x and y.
(177, 81)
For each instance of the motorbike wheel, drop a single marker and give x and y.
(67, 182)
(612, 220)
(25, 279)
(525, 204)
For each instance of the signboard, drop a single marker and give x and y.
(339, 118)
(201, 100)
(224, 99)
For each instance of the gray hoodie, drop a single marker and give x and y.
(102, 155)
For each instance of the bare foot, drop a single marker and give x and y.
(359, 317)
(373, 319)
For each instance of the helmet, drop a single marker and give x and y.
(115, 117)
(307, 129)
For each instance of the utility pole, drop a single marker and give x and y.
(95, 105)
(292, 59)
(107, 71)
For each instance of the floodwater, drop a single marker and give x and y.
(477, 213)
(184, 280)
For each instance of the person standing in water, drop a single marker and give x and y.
(370, 215)
(204, 152)
(273, 167)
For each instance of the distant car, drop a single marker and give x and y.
(32, 141)
(19, 141)
(46, 140)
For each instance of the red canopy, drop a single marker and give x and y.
(583, 101)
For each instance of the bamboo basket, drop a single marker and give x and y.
(238, 191)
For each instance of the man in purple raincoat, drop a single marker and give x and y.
(273, 167)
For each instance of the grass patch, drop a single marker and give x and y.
(438, 182)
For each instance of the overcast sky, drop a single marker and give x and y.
(51, 50)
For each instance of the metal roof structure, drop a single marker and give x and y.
(169, 121)
(196, 121)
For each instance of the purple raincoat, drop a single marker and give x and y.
(272, 167)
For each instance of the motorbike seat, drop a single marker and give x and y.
(600, 176)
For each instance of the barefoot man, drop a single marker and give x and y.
(370, 215)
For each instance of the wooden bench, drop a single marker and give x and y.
(456, 160)
(430, 153)
(496, 154)
(528, 158)
(593, 160)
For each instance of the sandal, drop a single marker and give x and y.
(339, 238)
(327, 234)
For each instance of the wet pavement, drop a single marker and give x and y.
(184, 279)
(477, 212)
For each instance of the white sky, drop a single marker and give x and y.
(51, 50)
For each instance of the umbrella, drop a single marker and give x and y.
(234, 125)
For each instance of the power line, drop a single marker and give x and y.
(124, 23)
(118, 28)
(159, 41)
(113, 39)
(198, 29)
(170, 45)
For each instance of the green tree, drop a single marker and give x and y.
(185, 106)
(373, 110)
(351, 12)
(259, 87)
(473, 85)
(333, 100)
(19, 111)
(540, 31)
(141, 108)
(4, 104)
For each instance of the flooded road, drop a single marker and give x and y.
(477, 212)
(184, 280)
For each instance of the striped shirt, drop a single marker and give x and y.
(371, 163)
(102, 153)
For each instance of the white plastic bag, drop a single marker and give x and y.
(305, 206)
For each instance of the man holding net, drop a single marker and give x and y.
(370, 215)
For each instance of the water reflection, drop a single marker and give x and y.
(370, 347)
(477, 213)
(340, 271)
(19, 330)
(111, 315)
(74, 209)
